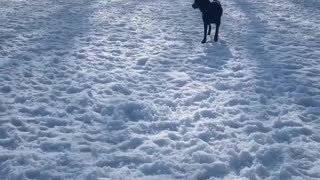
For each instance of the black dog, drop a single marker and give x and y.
(211, 13)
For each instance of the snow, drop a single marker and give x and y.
(124, 90)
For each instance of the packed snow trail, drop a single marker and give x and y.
(119, 89)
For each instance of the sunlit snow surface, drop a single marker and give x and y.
(124, 90)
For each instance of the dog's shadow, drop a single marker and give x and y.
(217, 54)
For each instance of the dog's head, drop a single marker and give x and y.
(195, 5)
(200, 4)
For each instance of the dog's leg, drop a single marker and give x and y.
(205, 27)
(209, 32)
(217, 31)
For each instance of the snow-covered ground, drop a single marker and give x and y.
(123, 90)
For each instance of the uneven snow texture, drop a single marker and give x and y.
(123, 90)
